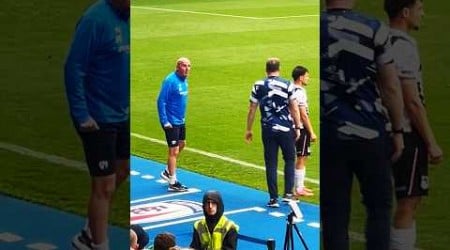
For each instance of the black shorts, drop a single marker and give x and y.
(303, 144)
(411, 170)
(106, 145)
(175, 134)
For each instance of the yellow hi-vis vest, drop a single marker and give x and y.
(214, 242)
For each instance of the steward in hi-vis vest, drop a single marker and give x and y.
(214, 231)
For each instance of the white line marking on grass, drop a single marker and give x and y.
(218, 14)
(255, 209)
(216, 156)
(190, 191)
(43, 156)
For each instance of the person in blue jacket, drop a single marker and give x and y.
(96, 76)
(172, 102)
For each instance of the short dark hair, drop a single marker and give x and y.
(394, 7)
(272, 65)
(298, 71)
(164, 241)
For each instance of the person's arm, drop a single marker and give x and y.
(391, 96)
(195, 243)
(76, 67)
(163, 98)
(250, 119)
(307, 122)
(293, 110)
(418, 116)
(230, 240)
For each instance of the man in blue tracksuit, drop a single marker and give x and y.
(97, 77)
(172, 101)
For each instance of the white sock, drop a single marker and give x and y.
(102, 246)
(300, 178)
(172, 179)
(403, 238)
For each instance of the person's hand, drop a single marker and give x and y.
(248, 136)
(89, 125)
(297, 134)
(398, 146)
(313, 137)
(435, 154)
(167, 125)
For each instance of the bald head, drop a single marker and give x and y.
(183, 60)
(183, 67)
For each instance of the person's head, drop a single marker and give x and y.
(272, 65)
(409, 12)
(164, 241)
(183, 67)
(133, 240)
(341, 4)
(300, 74)
(138, 237)
(122, 5)
(213, 207)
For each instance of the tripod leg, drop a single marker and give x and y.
(292, 238)
(288, 239)
(301, 237)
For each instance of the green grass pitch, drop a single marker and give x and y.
(228, 43)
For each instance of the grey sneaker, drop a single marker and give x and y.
(273, 203)
(289, 197)
(177, 187)
(82, 241)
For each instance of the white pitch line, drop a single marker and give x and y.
(82, 166)
(43, 156)
(216, 156)
(190, 191)
(218, 14)
(256, 209)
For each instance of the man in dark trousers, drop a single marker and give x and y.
(358, 77)
(279, 113)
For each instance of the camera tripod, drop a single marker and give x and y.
(289, 238)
